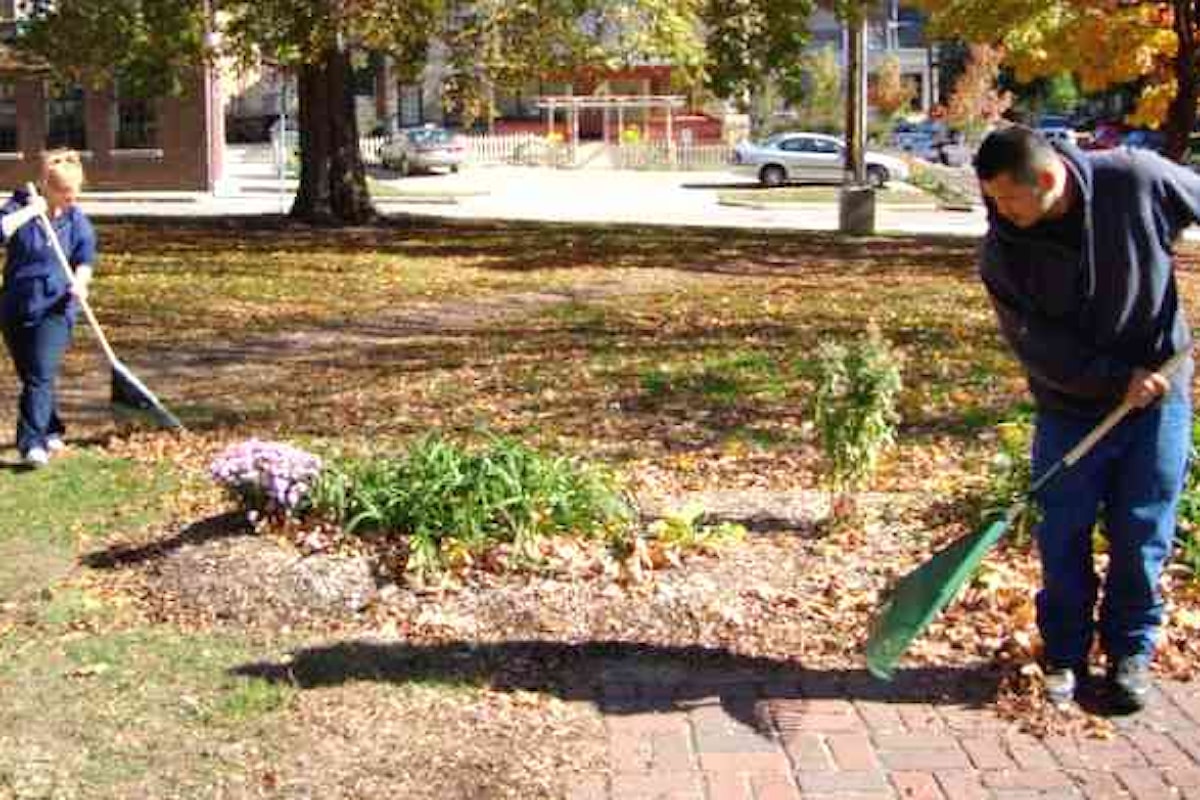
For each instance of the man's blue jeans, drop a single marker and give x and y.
(1135, 474)
(37, 352)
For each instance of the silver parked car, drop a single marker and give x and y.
(424, 149)
(809, 157)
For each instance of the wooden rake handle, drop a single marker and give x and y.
(1167, 370)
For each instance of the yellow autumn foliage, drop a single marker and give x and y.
(1103, 42)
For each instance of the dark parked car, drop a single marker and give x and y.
(1106, 135)
(1146, 139)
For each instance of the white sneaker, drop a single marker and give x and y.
(37, 457)
(55, 444)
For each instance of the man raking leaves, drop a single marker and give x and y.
(1078, 264)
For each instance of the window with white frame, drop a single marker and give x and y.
(66, 124)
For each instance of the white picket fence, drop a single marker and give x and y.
(371, 148)
(661, 154)
(531, 149)
(527, 149)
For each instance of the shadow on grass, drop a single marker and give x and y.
(626, 678)
(222, 526)
(528, 246)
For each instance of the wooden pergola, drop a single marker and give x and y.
(573, 104)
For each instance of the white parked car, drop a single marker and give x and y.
(809, 158)
(423, 150)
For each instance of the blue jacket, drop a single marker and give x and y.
(1081, 318)
(34, 284)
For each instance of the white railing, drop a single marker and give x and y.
(527, 149)
(531, 149)
(371, 148)
(285, 148)
(660, 154)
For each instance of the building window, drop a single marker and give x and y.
(8, 118)
(910, 30)
(135, 121)
(518, 103)
(412, 111)
(65, 120)
(522, 103)
(363, 76)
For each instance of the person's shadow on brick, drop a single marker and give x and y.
(767, 696)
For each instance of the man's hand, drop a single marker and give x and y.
(1145, 387)
(37, 205)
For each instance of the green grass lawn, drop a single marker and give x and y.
(681, 354)
(45, 513)
(544, 330)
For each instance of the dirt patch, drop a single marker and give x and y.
(382, 741)
(794, 593)
(220, 572)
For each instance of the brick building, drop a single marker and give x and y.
(127, 142)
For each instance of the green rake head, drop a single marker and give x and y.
(919, 596)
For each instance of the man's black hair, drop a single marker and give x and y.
(1016, 151)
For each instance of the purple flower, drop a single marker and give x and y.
(268, 477)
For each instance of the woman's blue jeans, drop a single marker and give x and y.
(37, 353)
(1133, 478)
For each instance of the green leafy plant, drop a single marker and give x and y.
(442, 496)
(1009, 478)
(683, 528)
(857, 386)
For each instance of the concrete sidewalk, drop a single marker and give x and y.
(860, 740)
(531, 194)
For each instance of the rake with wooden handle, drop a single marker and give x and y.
(129, 394)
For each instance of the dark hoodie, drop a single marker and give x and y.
(1082, 315)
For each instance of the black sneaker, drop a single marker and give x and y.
(1061, 683)
(1129, 683)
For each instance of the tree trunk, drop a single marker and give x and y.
(854, 166)
(333, 183)
(1182, 115)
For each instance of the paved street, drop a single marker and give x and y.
(687, 198)
(526, 193)
(529, 193)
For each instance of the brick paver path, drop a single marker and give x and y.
(844, 736)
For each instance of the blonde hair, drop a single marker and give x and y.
(62, 166)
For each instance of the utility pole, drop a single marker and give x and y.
(856, 202)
